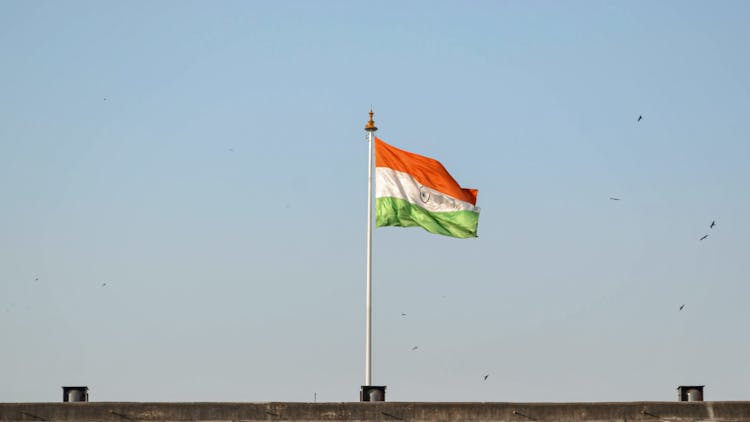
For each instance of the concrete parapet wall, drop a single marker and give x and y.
(376, 411)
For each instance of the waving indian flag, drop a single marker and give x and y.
(413, 190)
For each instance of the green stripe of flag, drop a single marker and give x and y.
(398, 212)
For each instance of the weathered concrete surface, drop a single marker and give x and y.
(382, 411)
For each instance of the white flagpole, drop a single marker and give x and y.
(370, 128)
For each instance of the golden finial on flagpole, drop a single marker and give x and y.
(370, 126)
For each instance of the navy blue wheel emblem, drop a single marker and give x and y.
(424, 194)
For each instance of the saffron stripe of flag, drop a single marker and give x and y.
(413, 190)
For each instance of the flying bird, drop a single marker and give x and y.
(403, 314)
(414, 348)
(713, 223)
(104, 284)
(640, 118)
(704, 236)
(682, 306)
(486, 376)
(36, 278)
(612, 198)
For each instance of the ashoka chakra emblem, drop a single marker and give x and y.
(424, 194)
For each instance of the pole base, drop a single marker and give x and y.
(372, 393)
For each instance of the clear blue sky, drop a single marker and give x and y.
(206, 160)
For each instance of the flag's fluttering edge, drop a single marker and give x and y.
(413, 190)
